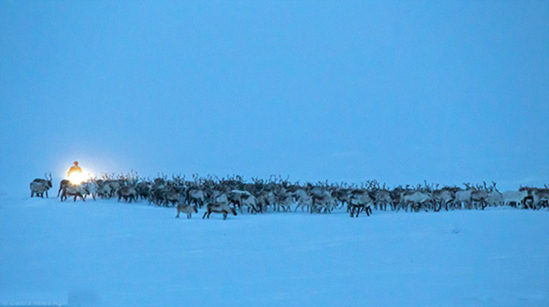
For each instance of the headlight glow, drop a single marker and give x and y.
(77, 177)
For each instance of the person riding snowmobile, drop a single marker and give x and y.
(74, 169)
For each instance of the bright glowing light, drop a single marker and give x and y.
(78, 177)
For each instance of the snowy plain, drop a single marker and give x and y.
(109, 253)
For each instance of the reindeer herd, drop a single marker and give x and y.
(232, 194)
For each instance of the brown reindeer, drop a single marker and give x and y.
(224, 209)
(186, 208)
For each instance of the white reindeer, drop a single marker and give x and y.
(514, 197)
(304, 200)
(251, 202)
(91, 188)
(415, 199)
(463, 197)
(40, 186)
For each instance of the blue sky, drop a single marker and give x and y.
(399, 91)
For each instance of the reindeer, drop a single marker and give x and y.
(304, 200)
(265, 199)
(540, 196)
(40, 186)
(72, 190)
(479, 196)
(128, 193)
(173, 196)
(220, 198)
(442, 197)
(116, 185)
(158, 196)
(383, 198)
(62, 185)
(90, 188)
(284, 201)
(416, 200)
(514, 197)
(536, 196)
(195, 196)
(218, 208)
(143, 189)
(186, 208)
(360, 200)
(105, 190)
(341, 195)
(251, 202)
(494, 196)
(323, 204)
(235, 198)
(463, 197)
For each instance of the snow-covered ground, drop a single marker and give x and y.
(106, 253)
